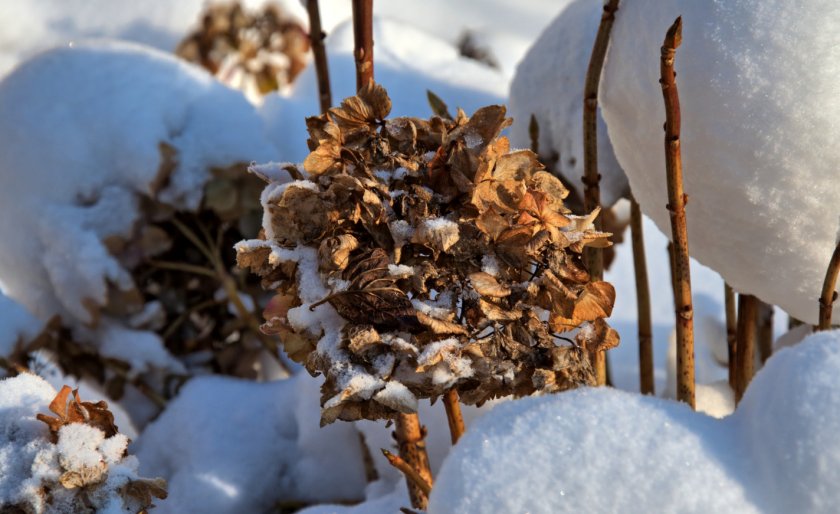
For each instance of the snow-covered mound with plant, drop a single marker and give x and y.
(75, 462)
(86, 132)
(603, 450)
(408, 62)
(758, 84)
(549, 85)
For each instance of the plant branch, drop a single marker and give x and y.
(731, 331)
(591, 176)
(646, 382)
(745, 344)
(410, 473)
(829, 290)
(454, 415)
(676, 205)
(363, 38)
(765, 330)
(319, 54)
(412, 449)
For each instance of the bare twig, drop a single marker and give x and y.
(409, 472)
(534, 134)
(829, 290)
(453, 415)
(745, 345)
(731, 330)
(319, 54)
(591, 176)
(765, 330)
(676, 205)
(646, 383)
(412, 449)
(363, 38)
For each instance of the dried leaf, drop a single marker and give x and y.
(487, 285)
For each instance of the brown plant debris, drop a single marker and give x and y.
(261, 50)
(76, 411)
(422, 256)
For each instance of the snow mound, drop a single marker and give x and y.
(231, 446)
(85, 133)
(603, 450)
(549, 84)
(407, 63)
(17, 325)
(759, 125)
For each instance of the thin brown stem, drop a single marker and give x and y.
(454, 415)
(646, 383)
(363, 39)
(410, 438)
(410, 473)
(829, 290)
(319, 54)
(731, 330)
(745, 346)
(676, 205)
(765, 330)
(591, 176)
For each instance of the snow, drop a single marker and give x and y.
(758, 154)
(549, 84)
(230, 446)
(73, 172)
(408, 62)
(603, 450)
(17, 325)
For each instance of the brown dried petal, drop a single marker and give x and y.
(487, 285)
(334, 252)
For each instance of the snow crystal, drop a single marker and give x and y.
(758, 155)
(400, 270)
(549, 85)
(565, 453)
(438, 233)
(490, 265)
(397, 396)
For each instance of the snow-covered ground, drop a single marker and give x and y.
(80, 134)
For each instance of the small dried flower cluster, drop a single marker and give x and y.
(424, 255)
(252, 51)
(85, 466)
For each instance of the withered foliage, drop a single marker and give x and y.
(450, 259)
(263, 49)
(76, 411)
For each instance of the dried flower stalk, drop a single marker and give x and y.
(363, 38)
(765, 330)
(731, 330)
(745, 345)
(319, 54)
(676, 205)
(646, 382)
(410, 473)
(591, 176)
(829, 290)
(453, 415)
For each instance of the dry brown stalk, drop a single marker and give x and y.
(412, 449)
(745, 345)
(646, 383)
(363, 38)
(319, 54)
(410, 474)
(731, 330)
(591, 176)
(676, 205)
(765, 330)
(829, 293)
(454, 415)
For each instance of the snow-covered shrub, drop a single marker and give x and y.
(424, 255)
(603, 450)
(116, 160)
(73, 462)
(759, 125)
(255, 51)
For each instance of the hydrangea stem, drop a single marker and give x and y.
(410, 438)
(363, 38)
(731, 330)
(319, 54)
(646, 383)
(829, 292)
(676, 205)
(591, 176)
(454, 415)
(765, 330)
(745, 343)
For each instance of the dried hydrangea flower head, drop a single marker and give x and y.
(424, 255)
(257, 52)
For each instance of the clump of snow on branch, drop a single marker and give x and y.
(757, 85)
